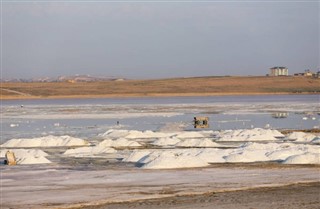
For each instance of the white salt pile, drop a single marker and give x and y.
(316, 140)
(89, 151)
(119, 143)
(255, 152)
(189, 134)
(173, 159)
(147, 135)
(47, 141)
(305, 158)
(133, 134)
(301, 137)
(114, 134)
(256, 134)
(197, 142)
(28, 156)
(137, 156)
(167, 141)
(249, 152)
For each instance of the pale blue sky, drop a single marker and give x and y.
(144, 39)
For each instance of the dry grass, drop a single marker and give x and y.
(165, 87)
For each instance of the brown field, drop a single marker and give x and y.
(198, 86)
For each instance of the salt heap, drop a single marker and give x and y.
(305, 158)
(136, 156)
(198, 142)
(176, 158)
(288, 153)
(172, 159)
(46, 141)
(89, 151)
(119, 143)
(301, 137)
(28, 156)
(114, 134)
(255, 152)
(256, 134)
(189, 134)
(167, 141)
(147, 135)
(134, 134)
(316, 140)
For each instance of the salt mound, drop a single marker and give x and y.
(279, 155)
(28, 156)
(301, 136)
(167, 160)
(113, 134)
(167, 141)
(246, 156)
(213, 155)
(119, 143)
(33, 160)
(306, 158)
(256, 134)
(134, 134)
(136, 156)
(189, 134)
(316, 140)
(199, 157)
(47, 141)
(197, 143)
(147, 135)
(89, 151)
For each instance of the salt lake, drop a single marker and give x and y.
(86, 118)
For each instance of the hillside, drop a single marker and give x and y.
(199, 86)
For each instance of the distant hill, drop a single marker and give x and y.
(72, 78)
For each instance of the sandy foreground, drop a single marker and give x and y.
(228, 186)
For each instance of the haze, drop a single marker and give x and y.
(148, 39)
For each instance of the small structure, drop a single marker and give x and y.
(201, 122)
(279, 115)
(317, 74)
(308, 73)
(279, 71)
(10, 158)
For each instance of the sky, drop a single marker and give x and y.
(157, 39)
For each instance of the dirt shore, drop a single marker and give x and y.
(296, 196)
(201, 86)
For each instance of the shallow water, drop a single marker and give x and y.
(87, 118)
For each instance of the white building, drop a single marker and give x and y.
(279, 71)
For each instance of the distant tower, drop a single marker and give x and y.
(279, 71)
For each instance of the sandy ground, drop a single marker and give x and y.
(296, 196)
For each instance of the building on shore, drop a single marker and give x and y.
(317, 74)
(279, 71)
(307, 73)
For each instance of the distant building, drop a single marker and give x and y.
(307, 73)
(279, 71)
(316, 75)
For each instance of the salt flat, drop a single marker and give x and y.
(154, 152)
(56, 187)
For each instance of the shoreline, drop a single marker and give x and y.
(148, 95)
